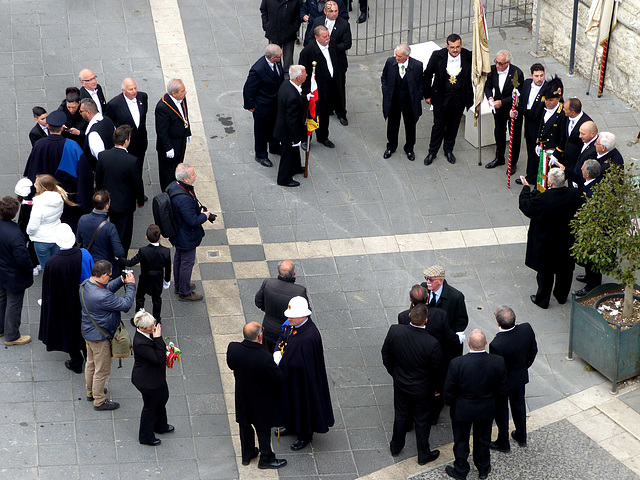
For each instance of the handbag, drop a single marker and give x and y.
(120, 342)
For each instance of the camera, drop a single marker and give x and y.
(213, 216)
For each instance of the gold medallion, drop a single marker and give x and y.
(453, 79)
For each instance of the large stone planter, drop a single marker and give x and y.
(614, 352)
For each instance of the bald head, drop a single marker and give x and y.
(252, 331)
(477, 340)
(588, 131)
(129, 88)
(287, 269)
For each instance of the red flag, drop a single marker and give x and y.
(312, 118)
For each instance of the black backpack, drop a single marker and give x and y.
(163, 215)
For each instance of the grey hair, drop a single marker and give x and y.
(183, 170)
(295, 71)
(122, 87)
(608, 140)
(592, 168)
(404, 48)
(143, 319)
(273, 50)
(505, 316)
(506, 53)
(556, 177)
(174, 85)
(90, 105)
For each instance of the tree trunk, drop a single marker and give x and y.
(627, 307)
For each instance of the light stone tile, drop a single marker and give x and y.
(414, 242)
(244, 236)
(280, 251)
(227, 324)
(633, 463)
(221, 342)
(622, 446)
(347, 246)
(230, 401)
(314, 249)
(592, 396)
(220, 288)
(578, 417)
(552, 413)
(446, 240)
(381, 244)
(257, 269)
(250, 472)
(195, 273)
(228, 382)
(480, 237)
(220, 307)
(623, 415)
(598, 428)
(223, 254)
(510, 235)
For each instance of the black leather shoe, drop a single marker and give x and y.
(327, 143)
(428, 160)
(67, 363)
(411, 156)
(277, 463)
(343, 121)
(292, 183)
(283, 432)
(265, 162)
(582, 278)
(494, 163)
(582, 292)
(363, 17)
(452, 473)
(451, 158)
(432, 456)
(513, 435)
(255, 453)
(387, 153)
(107, 405)
(495, 446)
(90, 399)
(534, 300)
(485, 475)
(153, 443)
(299, 444)
(518, 181)
(170, 429)
(146, 199)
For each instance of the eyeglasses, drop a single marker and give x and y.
(502, 64)
(430, 279)
(90, 79)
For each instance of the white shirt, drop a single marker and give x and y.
(587, 182)
(437, 293)
(403, 67)
(44, 129)
(327, 56)
(96, 145)
(548, 113)
(500, 329)
(298, 87)
(145, 334)
(585, 145)
(95, 98)
(417, 326)
(477, 351)
(502, 78)
(573, 122)
(454, 65)
(273, 66)
(178, 104)
(329, 24)
(134, 109)
(535, 89)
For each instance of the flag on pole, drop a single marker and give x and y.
(481, 62)
(312, 117)
(607, 11)
(543, 169)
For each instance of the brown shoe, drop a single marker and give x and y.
(23, 340)
(192, 297)
(192, 286)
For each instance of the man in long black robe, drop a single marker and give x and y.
(306, 402)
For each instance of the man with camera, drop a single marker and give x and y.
(189, 214)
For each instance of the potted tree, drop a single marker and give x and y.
(607, 235)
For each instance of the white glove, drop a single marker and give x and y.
(461, 337)
(189, 138)
(309, 96)
(277, 356)
(552, 160)
(165, 285)
(296, 144)
(171, 153)
(538, 150)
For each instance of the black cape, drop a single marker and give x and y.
(306, 403)
(60, 315)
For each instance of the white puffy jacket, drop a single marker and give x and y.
(45, 217)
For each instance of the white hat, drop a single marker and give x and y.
(64, 236)
(298, 308)
(23, 187)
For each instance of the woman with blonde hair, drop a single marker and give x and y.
(48, 204)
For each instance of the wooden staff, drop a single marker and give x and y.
(514, 102)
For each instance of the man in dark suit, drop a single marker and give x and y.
(173, 131)
(281, 22)
(570, 145)
(517, 345)
(588, 137)
(531, 108)
(549, 239)
(273, 298)
(474, 384)
(444, 296)
(312, 9)
(117, 173)
(607, 152)
(130, 108)
(92, 89)
(257, 377)
(447, 86)
(40, 129)
(329, 77)
(260, 94)
(413, 358)
(340, 31)
(401, 95)
(99, 131)
(499, 92)
(290, 129)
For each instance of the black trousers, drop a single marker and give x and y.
(124, 225)
(154, 412)
(502, 126)
(546, 284)
(150, 285)
(446, 121)
(264, 119)
(167, 166)
(407, 407)
(593, 277)
(248, 443)
(515, 398)
(481, 440)
(77, 356)
(328, 102)
(393, 126)
(289, 163)
(533, 160)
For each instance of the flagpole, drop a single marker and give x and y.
(309, 133)
(595, 51)
(514, 100)
(605, 53)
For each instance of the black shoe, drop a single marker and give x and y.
(169, 429)
(363, 17)
(74, 369)
(153, 443)
(522, 444)
(582, 278)
(283, 432)
(432, 456)
(387, 153)
(451, 158)
(534, 300)
(518, 181)
(411, 156)
(277, 463)
(428, 160)
(394, 454)
(452, 473)
(494, 163)
(299, 444)
(495, 446)
(256, 452)
(343, 121)
(146, 199)
(292, 183)
(265, 162)
(107, 405)
(327, 143)
(90, 399)
(485, 475)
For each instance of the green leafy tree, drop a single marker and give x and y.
(607, 230)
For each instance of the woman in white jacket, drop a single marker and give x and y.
(48, 203)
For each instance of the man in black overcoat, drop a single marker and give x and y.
(473, 386)
(290, 128)
(607, 152)
(273, 298)
(173, 131)
(92, 89)
(517, 345)
(306, 404)
(401, 81)
(312, 9)
(549, 239)
(588, 137)
(117, 172)
(260, 93)
(414, 359)
(257, 392)
(570, 144)
(447, 86)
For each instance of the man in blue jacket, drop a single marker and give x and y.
(189, 215)
(101, 315)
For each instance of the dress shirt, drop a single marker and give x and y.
(477, 351)
(178, 105)
(548, 113)
(327, 56)
(502, 78)
(44, 129)
(573, 121)
(585, 145)
(500, 329)
(96, 145)
(298, 87)
(273, 65)
(133, 108)
(329, 24)
(148, 335)
(437, 293)
(533, 94)
(454, 65)
(587, 182)
(417, 326)
(95, 98)
(403, 67)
